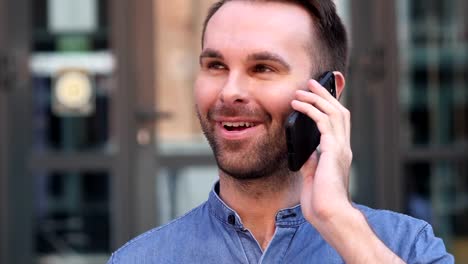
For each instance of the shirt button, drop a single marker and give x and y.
(232, 219)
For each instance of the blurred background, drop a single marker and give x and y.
(99, 140)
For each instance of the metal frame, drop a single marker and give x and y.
(144, 48)
(16, 186)
(435, 154)
(389, 172)
(3, 180)
(359, 100)
(133, 186)
(374, 103)
(71, 161)
(3, 151)
(122, 124)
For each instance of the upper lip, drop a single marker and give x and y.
(237, 120)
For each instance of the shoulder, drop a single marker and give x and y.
(392, 227)
(410, 238)
(386, 220)
(166, 238)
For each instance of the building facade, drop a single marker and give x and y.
(99, 140)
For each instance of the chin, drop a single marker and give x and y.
(242, 166)
(256, 158)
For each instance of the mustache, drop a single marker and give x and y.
(233, 111)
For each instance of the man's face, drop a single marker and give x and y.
(255, 56)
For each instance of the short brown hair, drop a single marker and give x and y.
(330, 29)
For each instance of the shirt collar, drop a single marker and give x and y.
(288, 217)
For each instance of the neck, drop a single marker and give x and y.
(257, 201)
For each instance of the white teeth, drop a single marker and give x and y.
(237, 124)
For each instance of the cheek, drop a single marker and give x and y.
(278, 103)
(205, 93)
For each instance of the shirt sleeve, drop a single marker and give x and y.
(111, 260)
(427, 248)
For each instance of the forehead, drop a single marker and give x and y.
(260, 25)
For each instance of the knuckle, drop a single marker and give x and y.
(321, 121)
(309, 111)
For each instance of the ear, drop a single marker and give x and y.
(339, 83)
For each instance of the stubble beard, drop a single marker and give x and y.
(261, 158)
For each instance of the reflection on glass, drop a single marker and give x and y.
(59, 45)
(179, 189)
(434, 102)
(70, 133)
(72, 216)
(434, 52)
(438, 194)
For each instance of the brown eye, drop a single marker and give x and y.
(261, 68)
(214, 65)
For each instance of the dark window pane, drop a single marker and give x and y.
(72, 213)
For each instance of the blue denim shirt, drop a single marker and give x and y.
(214, 233)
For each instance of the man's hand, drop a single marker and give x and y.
(325, 197)
(325, 175)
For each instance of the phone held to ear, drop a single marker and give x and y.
(302, 134)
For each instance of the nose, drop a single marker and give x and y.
(235, 89)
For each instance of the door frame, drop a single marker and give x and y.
(373, 102)
(16, 187)
(134, 187)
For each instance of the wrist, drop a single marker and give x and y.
(348, 232)
(338, 221)
(332, 214)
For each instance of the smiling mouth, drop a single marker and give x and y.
(237, 126)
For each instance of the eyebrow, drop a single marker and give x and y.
(259, 56)
(210, 53)
(269, 56)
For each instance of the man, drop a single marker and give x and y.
(256, 62)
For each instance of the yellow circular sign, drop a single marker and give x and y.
(73, 90)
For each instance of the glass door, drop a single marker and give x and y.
(409, 102)
(71, 67)
(75, 184)
(434, 116)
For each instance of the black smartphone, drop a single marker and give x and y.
(302, 134)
